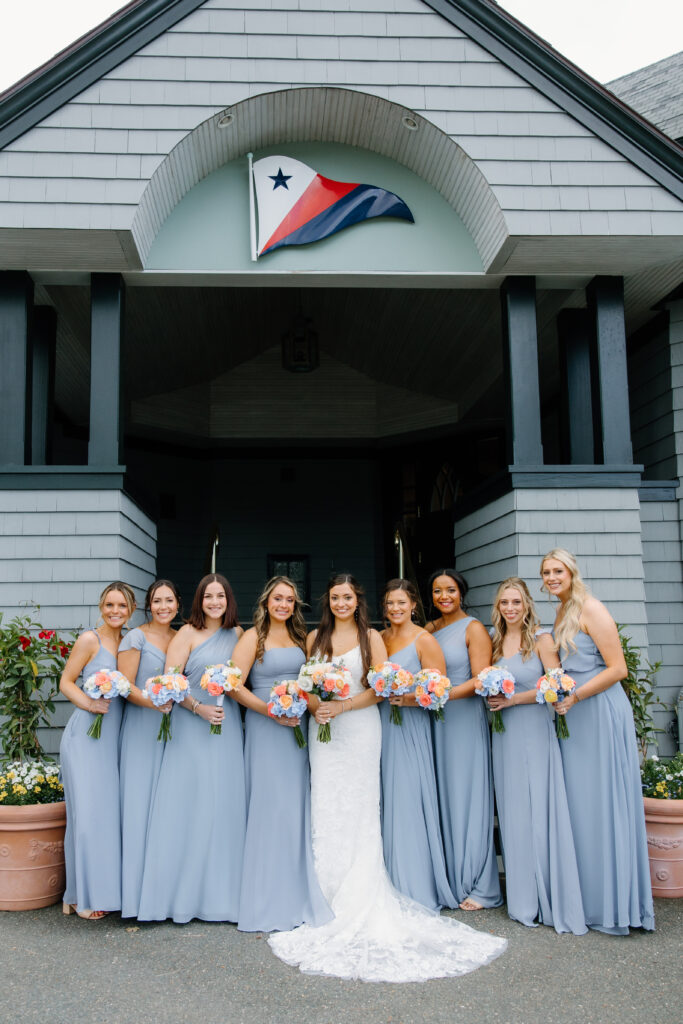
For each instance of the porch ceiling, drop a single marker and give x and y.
(438, 343)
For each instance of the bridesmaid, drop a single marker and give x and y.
(411, 833)
(195, 836)
(278, 830)
(90, 768)
(541, 877)
(142, 654)
(462, 750)
(600, 757)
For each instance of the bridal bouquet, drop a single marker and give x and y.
(493, 681)
(219, 680)
(327, 680)
(432, 691)
(286, 701)
(553, 686)
(162, 688)
(390, 679)
(107, 683)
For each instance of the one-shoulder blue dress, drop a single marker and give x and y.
(602, 777)
(541, 877)
(139, 767)
(90, 773)
(195, 837)
(411, 833)
(462, 750)
(280, 888)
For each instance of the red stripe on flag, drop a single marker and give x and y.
(320, 195)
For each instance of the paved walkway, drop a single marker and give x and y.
(58, 970)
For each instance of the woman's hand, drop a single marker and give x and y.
(210, 713)
(500, 702)
(403, 700)
(313, 701)
(98, 707)
(563, 706)
(289, 722)
(328, 710)
(165, 709)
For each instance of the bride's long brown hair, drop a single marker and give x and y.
(323, 637)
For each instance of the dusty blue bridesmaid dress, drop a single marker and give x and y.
(195, 836)
(462, 752)
(541, 877)
(90, 773)
(280, 888)
(411, 834)
(602, 778)
(139, 766)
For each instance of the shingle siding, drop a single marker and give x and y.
(535, 156)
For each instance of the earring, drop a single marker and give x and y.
(355, 614)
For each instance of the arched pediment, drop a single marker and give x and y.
(322, 115)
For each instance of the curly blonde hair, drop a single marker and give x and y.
(530, 622)
(569, 622)
(296, 626)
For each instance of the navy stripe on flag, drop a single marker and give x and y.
(364, 202)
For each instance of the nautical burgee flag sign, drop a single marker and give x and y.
(296, 205)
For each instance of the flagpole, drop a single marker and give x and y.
(252, 210)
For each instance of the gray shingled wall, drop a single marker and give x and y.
(58, 549)
(87, 164)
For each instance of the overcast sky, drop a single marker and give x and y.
(607, 38)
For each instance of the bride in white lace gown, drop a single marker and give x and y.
(377, 934)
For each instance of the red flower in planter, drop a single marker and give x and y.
(25, 642)
(46, 634)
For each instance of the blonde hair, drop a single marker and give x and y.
(124, 589)
(530, 622)
(570, 616)
(296, 625)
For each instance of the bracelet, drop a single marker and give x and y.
(195, 706)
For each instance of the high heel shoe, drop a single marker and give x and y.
(87, 915)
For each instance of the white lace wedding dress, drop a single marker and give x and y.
(377, 934)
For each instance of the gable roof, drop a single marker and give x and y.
(49, 87)
(656, 92)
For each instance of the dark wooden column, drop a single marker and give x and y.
(44, 335)
(605, 297)
(16, 297)
(520, 360)
(106, 335)
(577, 435)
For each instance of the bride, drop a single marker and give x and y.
(377, 934)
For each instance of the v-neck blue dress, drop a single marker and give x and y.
(602, 777)
(139, 767)
(90, 773)
(462, 749)
(411, 833)
(280, 888)
(541, 877)
(195, 837)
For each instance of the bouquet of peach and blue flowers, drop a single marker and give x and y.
(493, 681)
(286, 701)
(555, 685)
(107, 684)
(219, 680)
(391, 680)
(327, 680)
(162, 688)
(432, 691)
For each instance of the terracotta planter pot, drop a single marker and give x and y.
(31, 856)
(664, 825)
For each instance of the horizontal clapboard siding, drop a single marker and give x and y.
(87, 165)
